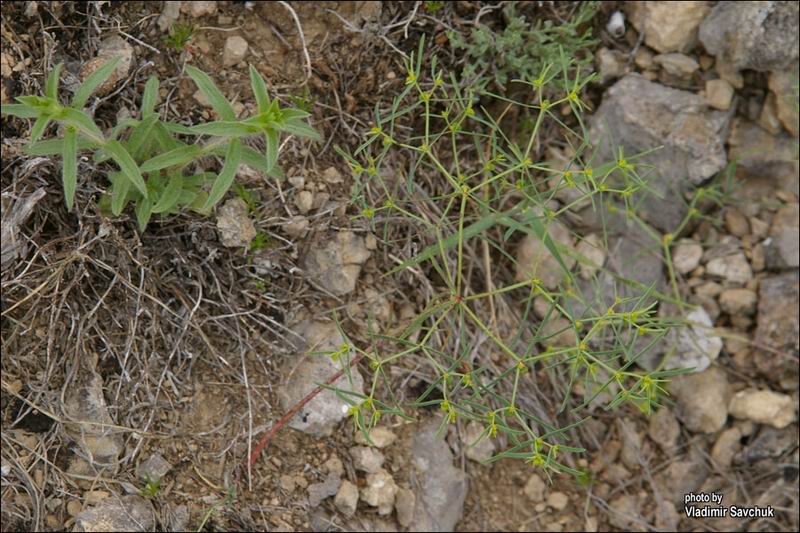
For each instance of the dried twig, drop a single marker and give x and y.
(293, 411)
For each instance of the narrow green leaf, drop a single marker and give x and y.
(198, 180)
(273, 140)
(42, 103)
(144, 208)
(19, 110)
(83, 123)
(177, 156)
(164, 140)
(212, 93)
(468, 232)
(533, 226)
(254, 159)
(294, 114)
(70, 162)
(56, 146)
(199, 202)
(295, 127)
(187, 197)
(140, 134)
(259, 90)
(277, 172)
(149, 97)
(93, 81)
(225, 129)
(48, 147)
(38, 128)
(169, 197)
(119, 192)
(179, 128)
(225, 178)
(121, 126)
(127, 165)
(51, 85)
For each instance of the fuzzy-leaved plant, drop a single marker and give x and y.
(158, 162)
(523, 47)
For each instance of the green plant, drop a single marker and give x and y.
(462, 180)
(151, 487)
(180, 35)
(247, 197)
(155, 162)
(521, 49)
(433, 7)
(230, 497)
(304, 100)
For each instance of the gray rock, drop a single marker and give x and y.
(380, 437)
(702, 400)
(630, 453)
(347, 498)
(327, 488)
(691, 346)
(477, 446)
(719, 94)
(380, 491)
(169, 14)
(769, 443)
(591, 248)
(366, 459)
(439, 486)
(534, 259)
(669, 26)
(177, 517)
(726, 447)
(297, 227)
(234, 224)
(682, 477)
(304, 200)
(752, 35)
(199, 8)
(405, 504)
(664, 430)
(783, 84)
(557, 501)
(733, 268)
(610, 64)
(321, 414)
(777, 326)
(127, 513)
(667, 517)
(639, 115)
(782, 247)
(153, 468)
(624, 512)
(633, 255)
(110, 48)
(235, 50)
(90, 423)
(738, 301)
(764, 407)
(763, 156)
(335, 263)
(686, 256)
(678, 65)
(535, 488)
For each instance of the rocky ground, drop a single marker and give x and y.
(180, 347)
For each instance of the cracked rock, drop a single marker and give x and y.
(335, 263)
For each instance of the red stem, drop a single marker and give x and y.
(293, 411)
